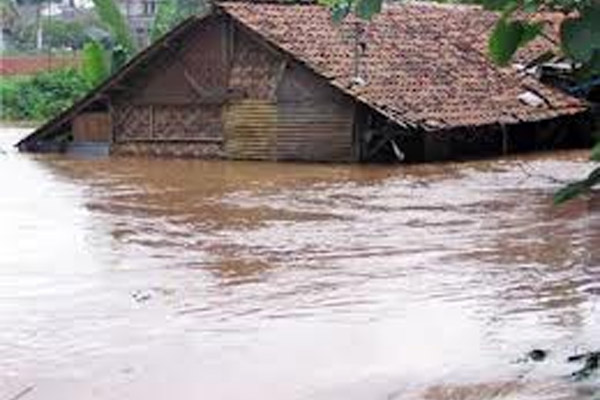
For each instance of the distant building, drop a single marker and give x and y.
(8, 16)
(140, 14)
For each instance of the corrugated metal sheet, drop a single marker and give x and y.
(250, 130)
(92, 127)
(313, 132)
(262, 130)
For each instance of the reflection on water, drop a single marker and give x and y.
(144, 278)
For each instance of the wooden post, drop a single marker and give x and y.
(504, 139)
(278, 78)
(151, 122)
(112, 119)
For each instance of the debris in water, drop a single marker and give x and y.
(591, 362)
(141, 297)
(22, 393)
(537, 355)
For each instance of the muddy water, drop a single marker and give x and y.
(134, 278)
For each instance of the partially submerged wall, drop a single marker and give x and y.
(223, 92)
(493, 140)
(174, 106)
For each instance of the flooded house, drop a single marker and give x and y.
(269, 81)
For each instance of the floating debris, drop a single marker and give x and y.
(591, 362)
(22, 393)
(537, 355)
(140, 296)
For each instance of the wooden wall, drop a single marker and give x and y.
(178, 97)
(224, 85)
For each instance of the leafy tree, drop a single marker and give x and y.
(64, 34)
(171, 12)
(107, 51)
(8, 13)
(118, 46)
(115, 22)
(41, 96)
(167, 16)
(94, 65)
(57, 34)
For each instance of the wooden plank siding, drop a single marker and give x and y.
(92, 127)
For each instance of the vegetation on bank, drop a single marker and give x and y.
(41, 96)
(106, 46)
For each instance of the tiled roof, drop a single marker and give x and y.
(421, 64)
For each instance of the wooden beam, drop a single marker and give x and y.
(278, 77)
(151, 121)
(111, 114)
(397, 152)
(504, 139)
(200, 91)
(384, 139)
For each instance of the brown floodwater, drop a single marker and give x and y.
(135, 278)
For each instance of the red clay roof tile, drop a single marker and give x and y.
(422, 63)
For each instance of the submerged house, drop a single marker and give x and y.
(269, 81)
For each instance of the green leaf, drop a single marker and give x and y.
(580, 36)
(340, 11)
(329, 3)
(531, 6)
(575, 38)
(593, 179)
(111, 17)
(504, 40)
(578, 188)
(498, 5)
(119, 58)
(591, 68)
(530, 31)
(94, 66)
(166, 18)
(367, 8)
(595, 156)
(569, 192)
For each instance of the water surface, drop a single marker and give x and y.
(140, 278)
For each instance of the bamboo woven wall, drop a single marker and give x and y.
(180, 95)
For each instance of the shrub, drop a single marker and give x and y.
(41, 96)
